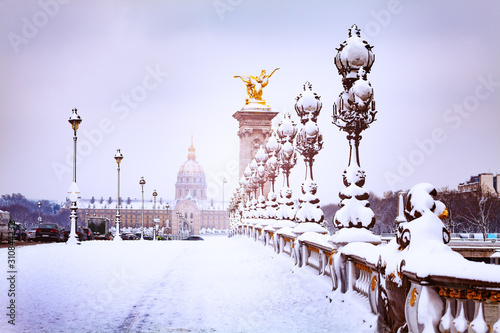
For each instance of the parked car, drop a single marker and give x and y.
(4, 225)
(20, 232)
(196, 238)
(89, 233)
(31, 234)
(98, 236)
(82, 235)
(49, 232)
(128, 236)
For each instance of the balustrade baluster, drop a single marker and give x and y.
(496, 326)
(305, 255)
(460, 323)
(359, 281)
(447, 319)
(479, 324)
(352, 276)
(366, 282)
(322, 263)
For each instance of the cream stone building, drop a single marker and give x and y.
(481, 181)
(191, 202)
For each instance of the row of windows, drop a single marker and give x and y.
(138, 214)
(192, 180)
(125, 223)
(192, 191)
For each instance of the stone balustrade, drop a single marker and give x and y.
(401, 299)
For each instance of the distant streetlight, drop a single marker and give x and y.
(73, 191)
(168, 220)
(142, 182)
(154, 214)
(181, 225)
(118, 158)
(224, 181)
(39, 215)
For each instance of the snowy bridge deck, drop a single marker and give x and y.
(221, 285)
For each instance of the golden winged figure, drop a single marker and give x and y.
(255, 85)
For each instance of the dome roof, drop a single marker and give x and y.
(191, 167)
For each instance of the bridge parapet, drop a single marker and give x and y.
(423, 286)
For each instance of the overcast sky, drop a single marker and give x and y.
(146, 75)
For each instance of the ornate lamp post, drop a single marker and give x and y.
(142, 182)
(247, 173)
(224, 181)
(287, 158)
(272, 148)
(261, 158)
(118, 158)
(167, 206)
(154, 215)
(253, 184)
(309, 142)
(73, 191)
(39, 214)
(179, 221)
(353, 113)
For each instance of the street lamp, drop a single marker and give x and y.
(39, 215)
(73, 191)
(118, 158)
(142, 182)
(179, 221)
(309, 141)
(353, 113)
(154, 214)
(223, 182)
(168, 220)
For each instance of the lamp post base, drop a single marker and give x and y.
(73, 239)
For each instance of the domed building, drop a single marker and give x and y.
(191, 178)
(190, 210)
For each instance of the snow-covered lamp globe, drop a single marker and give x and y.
(353, 113)
(253, 184)
(261, 158)
(272, 148)
(353, 54)
(309, 142)
(287, 157)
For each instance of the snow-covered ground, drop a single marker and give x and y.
(221, 284)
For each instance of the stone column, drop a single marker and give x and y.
(255, 127)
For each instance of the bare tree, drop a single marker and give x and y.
(481, 209)
(453, 202)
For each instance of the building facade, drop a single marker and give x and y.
(482, 181)
(189, 210)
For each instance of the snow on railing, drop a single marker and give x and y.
(414, 283)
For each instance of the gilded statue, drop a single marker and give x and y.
(255, 85)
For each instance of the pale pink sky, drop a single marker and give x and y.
(146, 75)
